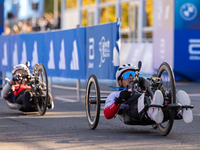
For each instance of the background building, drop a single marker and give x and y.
(136, 16)
(136, 29)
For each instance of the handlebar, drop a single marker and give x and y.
(25, 76)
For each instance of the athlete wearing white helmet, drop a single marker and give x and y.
(121, 74)
(119, 101)
(122, 103)
(124, 68)
(17, 91)
(20, 67)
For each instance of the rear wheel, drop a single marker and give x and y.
(169, 93)
(42, 82)
(92, 101)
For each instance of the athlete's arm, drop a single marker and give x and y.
(6, 90)
(111, 108)
(110, 111)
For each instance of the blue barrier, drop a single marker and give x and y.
(102, 51)
(65, 53)
(1, 16)
(177, 37)
(187, 39)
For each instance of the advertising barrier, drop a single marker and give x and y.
(71, 53)
(187, 39)
(102, 55)
(1, 16)
(176, 37)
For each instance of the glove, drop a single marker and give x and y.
(123, 96)
(16, 77)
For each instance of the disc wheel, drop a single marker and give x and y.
(169, 93)
(42, 83)
(92, 101)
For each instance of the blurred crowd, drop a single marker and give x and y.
(44, 23)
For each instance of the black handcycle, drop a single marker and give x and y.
(163, 81)
(38, 83)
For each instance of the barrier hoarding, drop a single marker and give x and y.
(102, 50)
(64, 53)
(187, 39)
(1, 16)
(177, 37)
(163, 33)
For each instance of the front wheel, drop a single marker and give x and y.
(168, 89)
(42, 84)
(92, 101)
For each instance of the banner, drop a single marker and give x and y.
(75, 53)
(176, 38)
(187, 39)
(62, 52)
(163, 33)
(102, 50)
(1, 16)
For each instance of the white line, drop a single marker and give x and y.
(195, 94)
(67, 96)
(194, 40)
(65, 99)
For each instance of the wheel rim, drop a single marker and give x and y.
(92, 108)
(168, 90)
(167, 85)
(93, 102)
(43, 83)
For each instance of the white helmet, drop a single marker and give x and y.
(20, 66)
(123, 68)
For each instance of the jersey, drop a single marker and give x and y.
(110, 108)
(10, 93)
(21, 89)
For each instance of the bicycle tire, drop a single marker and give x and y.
(41, 75)
(166, 126)
(92, 100)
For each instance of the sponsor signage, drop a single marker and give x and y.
(187, 39)
(184, 47)
(1, 16)
(102, 50)
(68, 53)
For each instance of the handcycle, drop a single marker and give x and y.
(38, 82)
(163, 81)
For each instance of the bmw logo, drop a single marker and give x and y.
(188, 11)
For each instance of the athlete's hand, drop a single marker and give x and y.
(123, 96)
(16, 77)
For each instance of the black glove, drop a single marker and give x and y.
(123, 96)
(16, 77)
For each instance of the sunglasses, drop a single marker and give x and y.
(127, 75)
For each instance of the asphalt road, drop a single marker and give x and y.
(66, 127)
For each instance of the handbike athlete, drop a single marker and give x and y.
(20, 96)
(119, 102)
